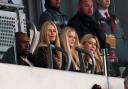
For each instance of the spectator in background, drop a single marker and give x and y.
(69, 41)
(23, 56)
(126, 83)
(90, 42)
(53, 13)
(112, 28)
(48, 35)
(83, 21)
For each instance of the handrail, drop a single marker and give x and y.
(104, 55)
(12, 5)
(16, 8)
(82, 65)
(33, 27)
(50, 60)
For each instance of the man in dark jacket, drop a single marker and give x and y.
(84, 23)
(23, 56)
(53, 13)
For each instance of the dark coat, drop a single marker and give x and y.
(42, 58)
(53, 15)
(9, 57)
(86, 25)
(121, 45)
(113, 26)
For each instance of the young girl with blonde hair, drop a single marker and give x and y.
(69, 41)
(91, 43)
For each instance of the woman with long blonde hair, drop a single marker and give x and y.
(69, 41)
(90, 42)
(48, 35)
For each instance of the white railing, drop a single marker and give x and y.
(22, 77)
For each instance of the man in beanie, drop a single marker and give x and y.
(53, 13)
(23, 56)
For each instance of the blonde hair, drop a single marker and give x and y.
(44, 39)
(44, 34)
(98, 58)
(71, 51)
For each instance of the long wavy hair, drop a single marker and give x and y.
(97, 55)
(44, 39)
(71, 51)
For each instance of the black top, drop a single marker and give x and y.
(86, 25)
(42, 58)
(53, 15)
(9, 57)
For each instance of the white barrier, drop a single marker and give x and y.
(21, 77)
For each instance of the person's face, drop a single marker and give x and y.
(23, 47)
(104, 3)
(86, 7)
(52, 33)
(90, 45)
(55, 3)
(71, 38)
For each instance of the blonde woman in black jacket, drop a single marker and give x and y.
(69, 41)
(48, 35)
(91, 43)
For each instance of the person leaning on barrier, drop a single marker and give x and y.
(48, 35)
(126, 83)
(69, 41)
(53, 13)
(90, 42)
(23, 56)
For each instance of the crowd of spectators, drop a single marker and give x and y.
(89, 30)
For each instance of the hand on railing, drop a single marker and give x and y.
(34, 37)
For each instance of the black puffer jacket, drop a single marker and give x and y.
(86, 25)
(53, 14)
